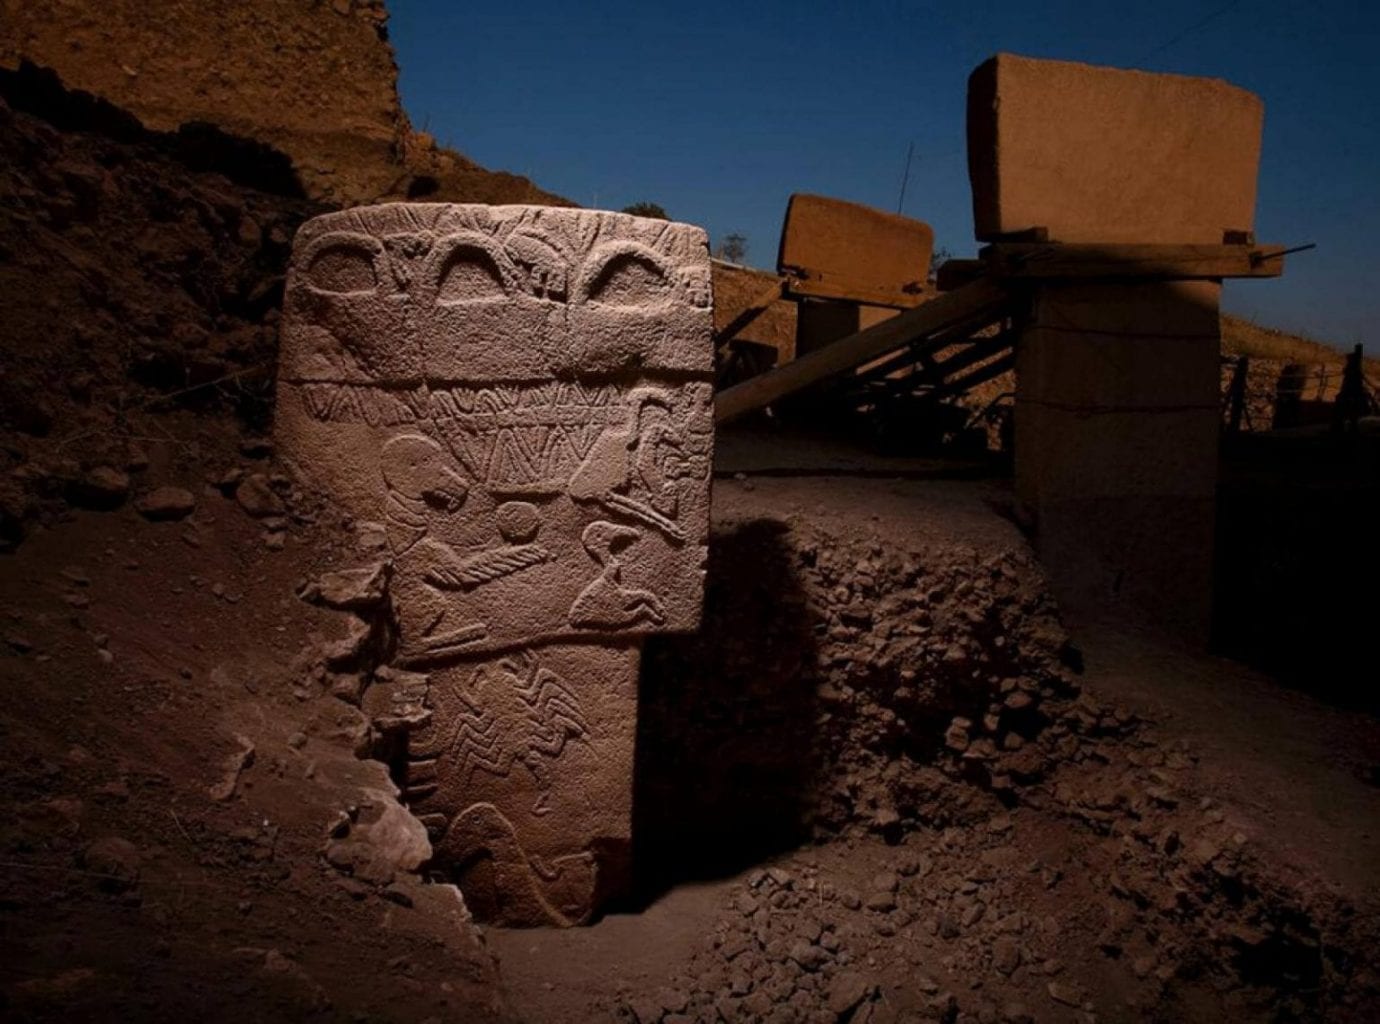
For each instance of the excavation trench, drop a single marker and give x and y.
(853, 675)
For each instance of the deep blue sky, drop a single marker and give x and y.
(719, 111)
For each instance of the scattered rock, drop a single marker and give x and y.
(75, 575)
(1064, 994)
(115, 863)
(235, 765)
(103, 488)
(881, 901)
(256, 448)
(846, 991)
(886, 881)
(808, 956)
(382, 841)
(227, 481)
(356, 590)
(257, 497)
(166, 503)
(1006, 954)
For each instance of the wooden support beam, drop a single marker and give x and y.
(1053, 261)
(936, 379)
(923, 351)
(802, 283)
(1005, 360)
(846, 353)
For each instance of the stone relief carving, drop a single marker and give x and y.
(521, 397)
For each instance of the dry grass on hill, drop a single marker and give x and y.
(1243, 338)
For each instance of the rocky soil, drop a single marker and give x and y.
(988, 839)
(135, 285)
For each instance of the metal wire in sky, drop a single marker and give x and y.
(1201, 22)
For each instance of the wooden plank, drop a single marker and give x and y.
(832, 249)
(1033, 261)
(923, 351)
(856, 349)
(802, 283)
(1004, 362)
(942, 374)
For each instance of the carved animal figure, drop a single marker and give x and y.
(634, 469)
(514, 712)
(524, 889)
(606, 603)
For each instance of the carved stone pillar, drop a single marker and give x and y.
(520, 398)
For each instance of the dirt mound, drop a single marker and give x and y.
(316, 82)
(183, 802)
(133, 280)
(883, 825)
(899, 667)
(922, 665)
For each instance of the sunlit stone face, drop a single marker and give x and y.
(520, 398)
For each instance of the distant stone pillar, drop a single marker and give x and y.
(520, 399)
(849, 266)
(1117, 420)
(1117, 415)
(821, 322)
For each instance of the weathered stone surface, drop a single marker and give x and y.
(1099, 154)
(521, 398)
(1117, 404)
(1138, 362)
(1117, 421)
(350, 589)
(528, 759)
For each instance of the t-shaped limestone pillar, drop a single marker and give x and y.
(1117, 396)
(521, 398)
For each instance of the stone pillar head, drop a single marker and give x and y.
(521, 399)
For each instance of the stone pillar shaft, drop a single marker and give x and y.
(519, 400)
(1117, 382)
(1116, 444)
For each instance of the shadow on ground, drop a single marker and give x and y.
(1298, 561)
(726, 727)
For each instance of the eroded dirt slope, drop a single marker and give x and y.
(315, 81)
